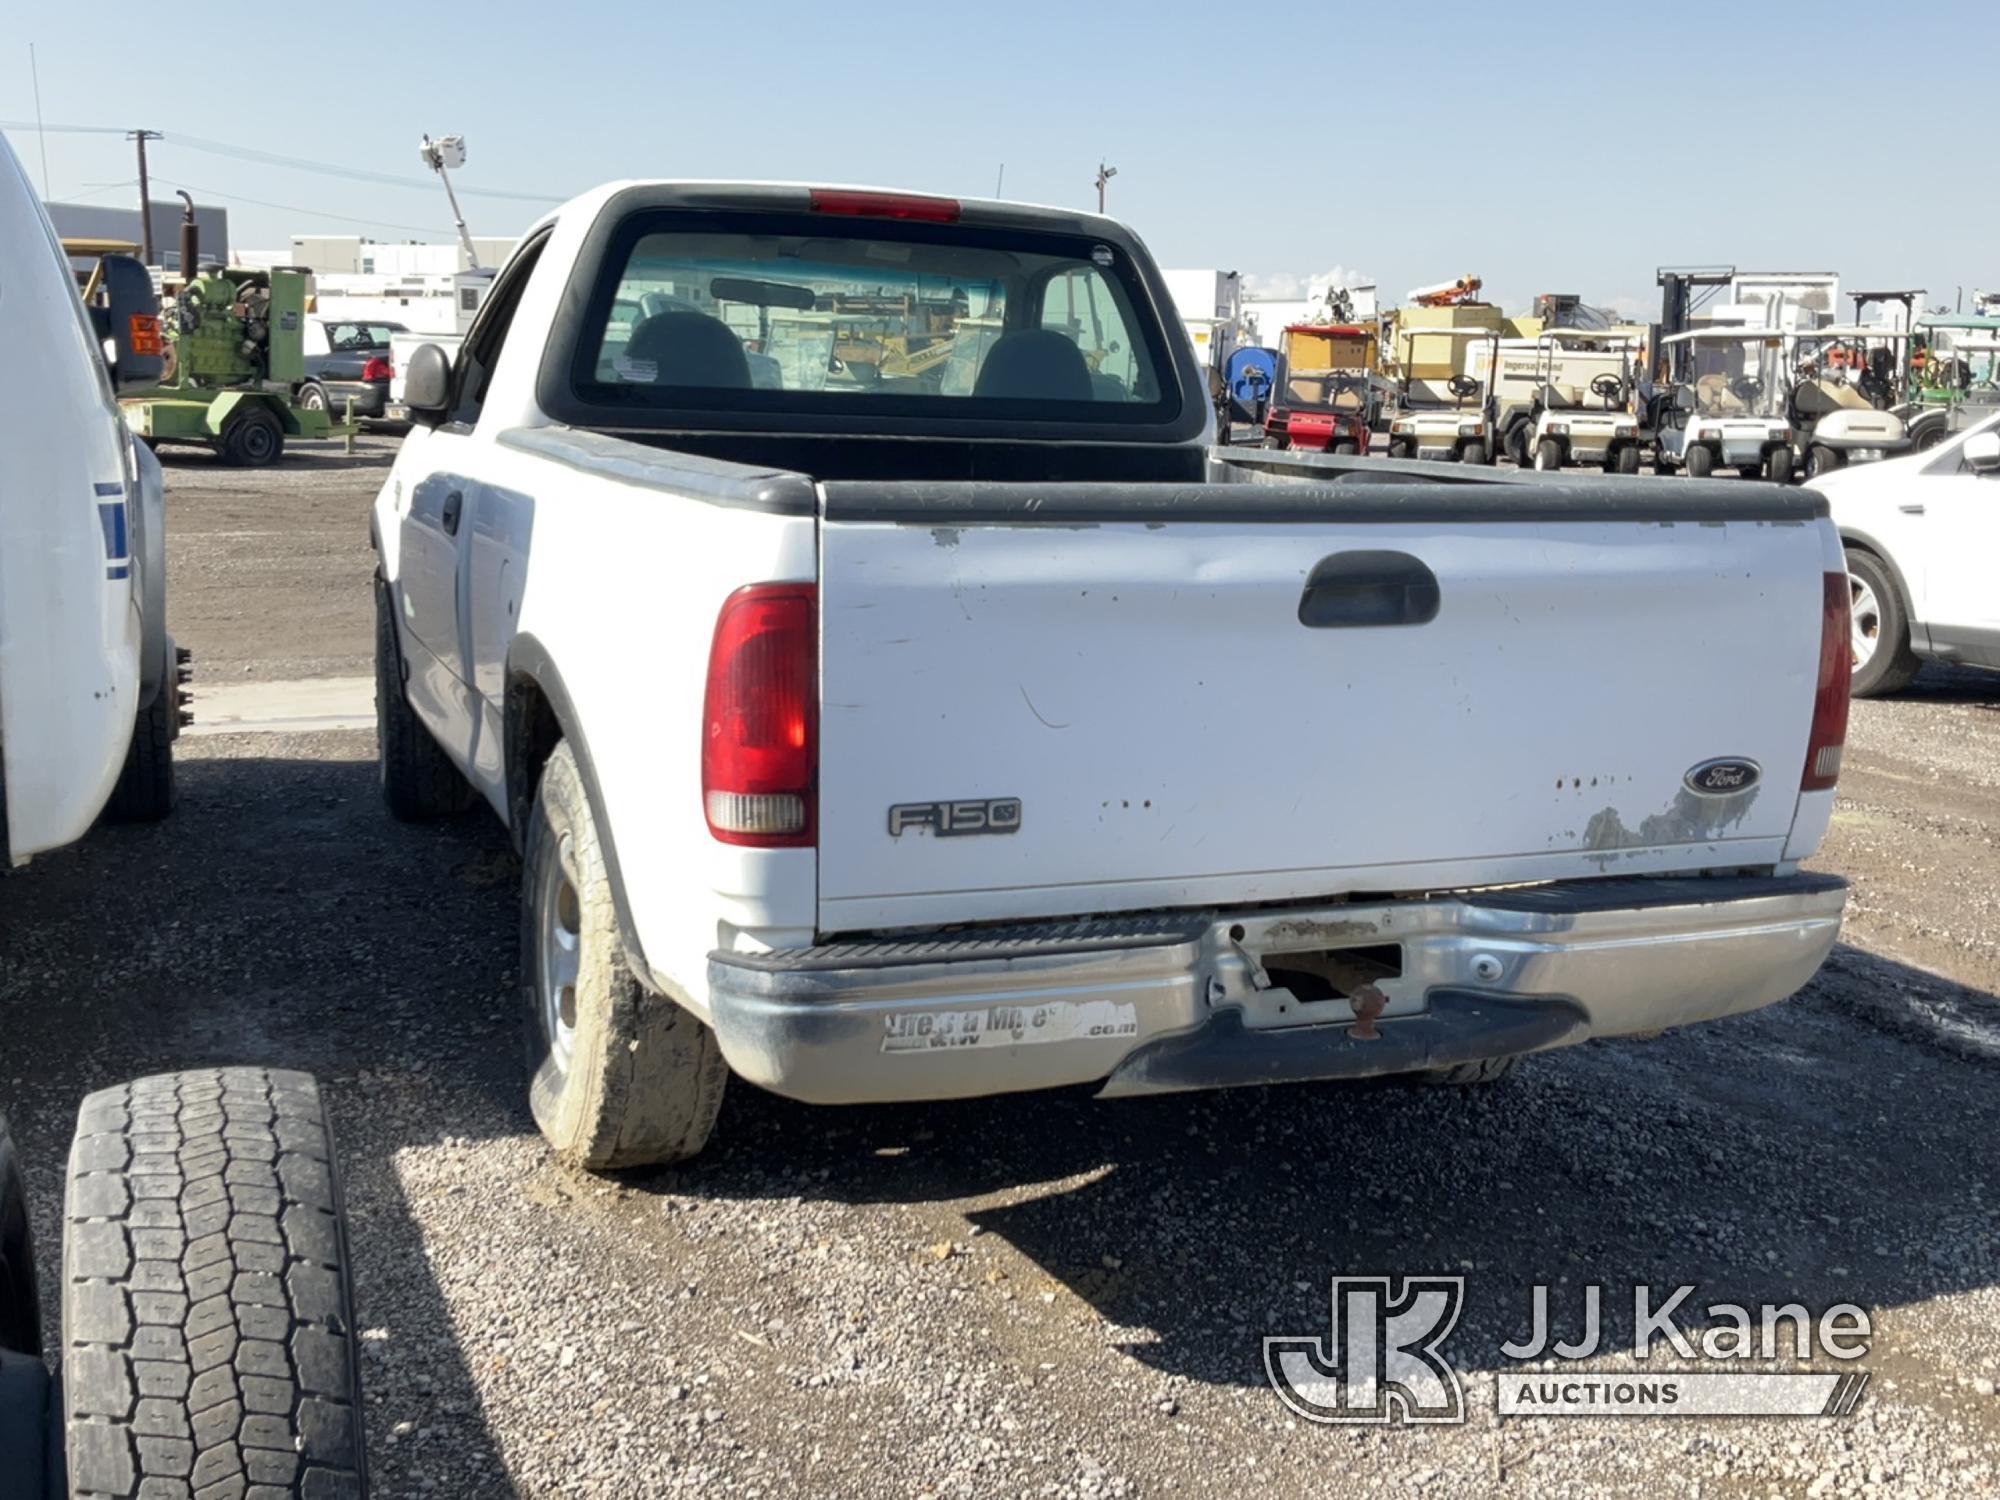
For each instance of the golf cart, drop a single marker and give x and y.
(1327, 395)
(1445, 416)
(1586, 382)
(1723, 406)
(1844, 383)
(1954, 376)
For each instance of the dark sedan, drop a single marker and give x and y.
(349, 360)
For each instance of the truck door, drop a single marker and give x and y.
(464, 537)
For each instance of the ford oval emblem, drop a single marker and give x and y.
(1723, 778)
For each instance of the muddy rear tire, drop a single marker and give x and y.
(620, 1076)
(209, 1344)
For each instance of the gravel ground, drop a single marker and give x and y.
(1030, 1296)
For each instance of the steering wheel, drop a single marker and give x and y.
(1746, 387)
(1462, 385)
(1608, 386)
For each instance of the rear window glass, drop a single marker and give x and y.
(841, 317)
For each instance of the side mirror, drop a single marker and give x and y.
(130, 324)
(1982, 452)
(427, 385)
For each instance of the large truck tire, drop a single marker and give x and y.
(209, 1343)
(418, 780)
(619, 1076)
(1893, 665)
(145, 791)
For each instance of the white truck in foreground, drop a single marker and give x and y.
(989, 730)
(207, 1329)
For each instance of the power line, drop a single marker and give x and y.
(295, 163)
(293, 208)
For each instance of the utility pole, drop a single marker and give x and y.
(145, 203)
(1104, 175)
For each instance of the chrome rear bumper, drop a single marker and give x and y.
(1184, 1000)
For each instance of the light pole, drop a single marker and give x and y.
(1104, 175)
(449, 151)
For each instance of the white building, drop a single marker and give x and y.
(356, 255)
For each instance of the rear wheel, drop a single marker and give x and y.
(313, 397)
(252, 439)
(1700, 461)
(1778, 467)
(620, 1076)
(1548, 455)
(1517, 444)
(418, 779)
(1823, 460)
(1929, 438)
(1881, 656)
(145, 792)
(209, 1344)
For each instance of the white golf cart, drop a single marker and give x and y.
(1723, 406)
(1445, 416)
(1842, 381)
(1586, 380)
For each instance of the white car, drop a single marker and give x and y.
(1921, 533)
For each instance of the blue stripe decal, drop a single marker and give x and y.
(111, 516)
(111, 489)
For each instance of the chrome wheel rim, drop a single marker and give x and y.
(559, 955)
(1865, 617)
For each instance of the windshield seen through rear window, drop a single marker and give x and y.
(831, 320)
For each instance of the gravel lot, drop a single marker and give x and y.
(1043, 1296)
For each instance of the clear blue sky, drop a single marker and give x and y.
(1559, 147)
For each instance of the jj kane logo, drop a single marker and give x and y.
(1381, 1359)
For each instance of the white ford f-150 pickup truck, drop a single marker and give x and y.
(894, 695)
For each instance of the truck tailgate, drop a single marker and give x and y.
(1051, 700)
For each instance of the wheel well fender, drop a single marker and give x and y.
(537, 716)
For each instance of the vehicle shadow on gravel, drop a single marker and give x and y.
(1793, 1155)
(272, 921)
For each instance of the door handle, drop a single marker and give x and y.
(454, 505)
(1359, 589)
(1912, 510)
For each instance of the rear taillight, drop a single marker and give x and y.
(1836, 667)
(377, 368)
(913, 207)
(760, 722)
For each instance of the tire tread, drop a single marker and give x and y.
(209, 1343)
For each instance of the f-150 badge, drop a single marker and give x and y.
(957, 819)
